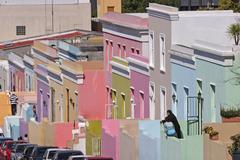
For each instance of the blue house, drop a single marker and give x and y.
(183, 75)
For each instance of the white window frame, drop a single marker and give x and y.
(165, 103)
(151, 49)
(162, 50)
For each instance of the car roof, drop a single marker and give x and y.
(69, 151)
(84, 156)
(56, 149)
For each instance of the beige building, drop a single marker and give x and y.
(26, 18)
(100, 7)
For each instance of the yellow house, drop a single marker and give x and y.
(72, 73)
(56, 93)
(105, 6)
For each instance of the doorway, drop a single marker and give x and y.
(174, 99)
(141, 105)
(67, 100)
(213, 103)
(186, 94)
(53, 104)
(162, 103)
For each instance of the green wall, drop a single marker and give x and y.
(94, 130)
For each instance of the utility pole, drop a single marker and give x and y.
(52, 17)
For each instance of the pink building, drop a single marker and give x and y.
(126, 37)
(92, 93)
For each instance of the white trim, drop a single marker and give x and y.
(140, 63)
(213, 61)
(78, 81)
(162, 67)
(57, 81)
(121, 74)
(151, 49)
(173, 61)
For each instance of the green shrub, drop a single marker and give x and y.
(230, 112)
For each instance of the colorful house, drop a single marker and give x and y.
(30, 77)
(168, 27)
(56, 113)
(126, 58)
(72, 73)
(17, 76)
(43, 92)
(4, 72)
(215, 87)
(91, 92)
(182, 63)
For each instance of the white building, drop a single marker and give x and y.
(25, 18)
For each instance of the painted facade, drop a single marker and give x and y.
(17, 76)
(92, 92)
(56, 113)
(30, 77)
(126, 58)
(182, 65)
(105, 6)
(4, 75)
(218, 61)
(72, 76)
(43, 93)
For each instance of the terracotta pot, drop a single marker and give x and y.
(214, 138)
(230, 120)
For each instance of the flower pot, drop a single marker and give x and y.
(230, 120)
(236, 155)
(214, 138)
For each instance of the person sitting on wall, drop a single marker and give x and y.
(172, 118)
(14, 102)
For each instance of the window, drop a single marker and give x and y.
(111, 50)
(199, 86)
(107, 54)
(162, 53)
(110, 8)
(133, 50)
(132, 103)
(163, 103)
(119, 50)
(151, 49)
(124, 54)
(123, 105)
(138, 52)
(20, 30)
(141, 105)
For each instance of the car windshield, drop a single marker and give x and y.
(20, 148)
(40, 152)
(28, 151)
(66, 155)
(51, 154)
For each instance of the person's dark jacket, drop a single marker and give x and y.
(171, 118)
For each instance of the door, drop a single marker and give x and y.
(123, 106)
(186, 94)
(213, 102)
(114, 104)
(174, 99)
(53, 104)
(141, 105)
(67, 105)
(152, 101)
(162, 103)
(41, 105)
(132, 104)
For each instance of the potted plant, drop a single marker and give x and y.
(230, 115)
(214, 135)
(234, 149)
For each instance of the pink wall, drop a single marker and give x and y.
(92, 95)
(63, 133)
(140, 82)
(110, 138)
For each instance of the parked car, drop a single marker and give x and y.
(64, 155)
(38, 152)
(3, 139)
(89, 158)
(7, 148)
(28, 152)
(48, 155)
(17, 152)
